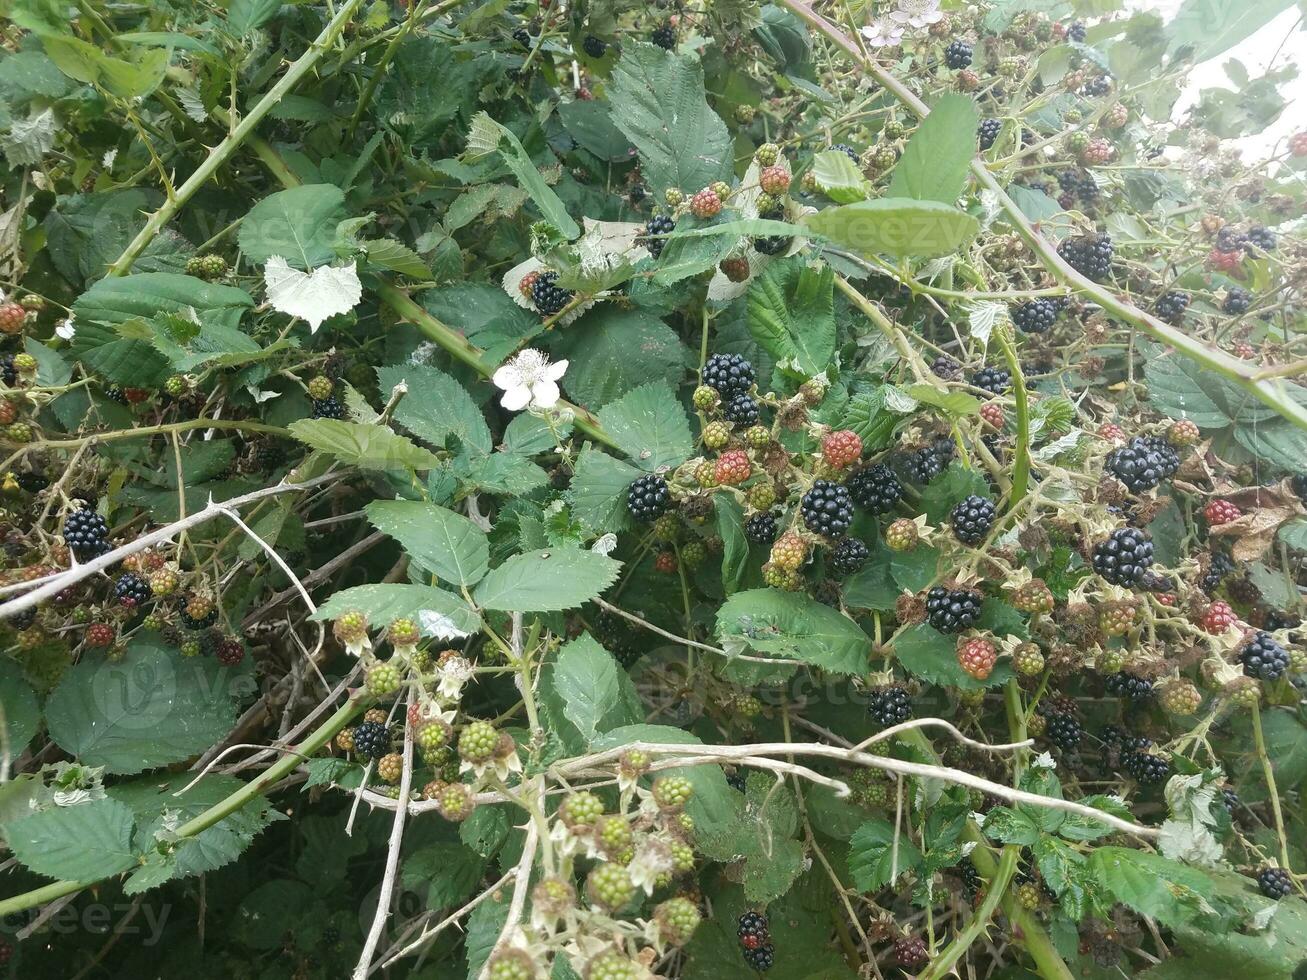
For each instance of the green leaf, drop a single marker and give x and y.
(791, 314)
(955, 403)
(87, 63)
(1010, 826)
(298, 224)
(838, 177)
(483, 928)
(502, 473)
(366, 445)
(19, 713)
(446, 872)
(735, 546)
(598, 491)
(448, 545)
(148, 709)
(658, 103)
(517, 160)
(1209, 29)
(1153, 885)
(547, 581)
(957, 482)
(245, 16)
(897, 226)
(528, 435)
(75, 843)
(873, 857)
(649, 425)
(926, 653)
(867, 415)
(596, 693)
(386, 253)
(935, 162)
(385, 603)
(436, 406)
(590, 124)
(788, 624)
(613, 351)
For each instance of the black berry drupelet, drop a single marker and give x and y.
(648, 498)
(952, 610)
(594, 46)
(848, 555)
(664, 35)
(1129, 686)
(889, 706)
(994, 380)
(958, 55)
(8, 372)
(1063, 730)
(761, 528)
(131, 590)
(1037, 316)
(1237, 301)
(1230, 239)
(742, 409)
(875, 488)
(547, 296)
(1090, 255)
(371, 740)
(988, 132)
(1170, 306)
(1262, 238)
(330, 407)
(827, 508)
(1274, 883)
(1141, 465)
(1262, 657)
(972, 519)
(658, 225)
(847, 150)
(1124, 556)
(86, 533)
(727, 374)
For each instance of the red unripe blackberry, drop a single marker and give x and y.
(1033, 597)
(733, 467)
(1218, 512)
(774, 180)
(735, 269)
(993, 415)
(841, 448)
(665, 563)
(977, 656)
(902, 535)
(12, 317)
(1219, 617)
(705, 204)
(100, 635)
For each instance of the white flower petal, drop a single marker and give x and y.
(556, 370)
(544, 394)
(508, 376)
(516, 399)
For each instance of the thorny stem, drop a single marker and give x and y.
(1269, 772)
(1021, 455)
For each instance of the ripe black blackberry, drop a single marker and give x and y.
(889, 706)
(86, 534)
(1087, 189)
(659, 224)
(1123, 684)
(1096, 86)
(1229, 800)
(971, 880)
(1218, 568)
(848, 151)
(1124, 556)
(1170, 306)
(1146, 768)
(972, 519)
(664, 35)
(648, 497)
(875, 488)
(1298, 484)
(952, 610)
(945, 367)
(1037, 316)
(32, 482)
(1264, 658)
(727, 374)
(371, 740)
(741, 409)
(988, 132)
(1140, 465)
(1167, 458)
(1063, 730)
(131, 590)
(594, 46)
(762, 959)
(547, 296)
(958, 55)
(330, 407)
(994, 380)
(1229, 239)
(848, 555)
(924, 465)
(1262, 238)
(522, 36)
(753, 924)
(1237, 301)
(1089, 255)
(1274, 883)
(637, 193)
(1077, 32)
(761, 528)
(772, 244)
(7, 370)
(827, 508)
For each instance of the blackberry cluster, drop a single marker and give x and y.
(131, 590)
(1274, 883)
(659, 224)
(958, 55)
(848, 555)
(755, 941)
(727, 374)
(952, 610)
(86, 533)
(664, 35)
(1143, 766)
(1170, 306)
(1126, 685)
(1217, 569)
(988, 131)
(648, 497)
(994, 380)
(924, 465)
(761, 528)
(547, 296)
(522, 36)
(1264, 658)
(1124, 556)
(889, 706)
(848, 151)
(1090, 255)
(1142, 464)
(1262, 238)
(1063, 730)
(330, 407)
(1037, 316)
(1237, 301)
(875, 488)
(972, 519)
(742, 409)
(594, 46)
(371, 740)
(827, 508)
(774, 244)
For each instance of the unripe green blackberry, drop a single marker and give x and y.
(384, 679)
(789, 551)
(721, 189)
(769, 204)
(672, 792)
(705, 399)
(580, 809)
(813, 392)
(609, 886)
(1033, 597)
(882, 157)
(403, 634)
(24, 363)
(786, 579)
(190, 648)
(153, 621)
(511, 964)
(320, 387)
(757, 437)
(164, 581)
(1028, 660)
(612, 965)
(716, 435)
(747, 706)
(1244, 692)
(677, 918)
(349, 627)
(1180, 697)
(613, 834)
(694, 554)
(455, 802)
(1182, 433)
(673, 197)
(901, 535)
(761, 496)
(682, 857)
(553, 898)
(391, 767)
(705, 474)
(477, 742)
(1110, 661)
(633, 763)
(682, 823)
(666, 527)
(432, 736)
(893, 129)
(1028, 895)
(767, 154)
(177, 385)
(18, 432)
(32, 302)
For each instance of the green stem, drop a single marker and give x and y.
(1269, 772)
(221, 153)
(999, 879)
(1021, 462)
(270, 777)
(154, 430)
